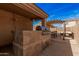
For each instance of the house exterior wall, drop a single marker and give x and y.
(10, 22)
(5, 27)
(23, 23)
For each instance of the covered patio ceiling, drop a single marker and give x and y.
(25, 9)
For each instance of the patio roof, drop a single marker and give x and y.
(26, 9)
(55, 21)
(48, 24)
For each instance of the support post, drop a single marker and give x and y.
(64, 32)
(43, 22)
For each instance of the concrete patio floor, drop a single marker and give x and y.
(59, 47)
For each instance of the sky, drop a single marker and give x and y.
(60, 11)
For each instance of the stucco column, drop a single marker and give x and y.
(64, 32)
(43, 22)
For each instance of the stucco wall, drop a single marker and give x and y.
(30, 43)
(5, 27)
(75, 30)
(76, 33)
(8, 22)
(23, 23)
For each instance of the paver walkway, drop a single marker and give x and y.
(59, 47)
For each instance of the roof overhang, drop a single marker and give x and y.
(26, 9)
